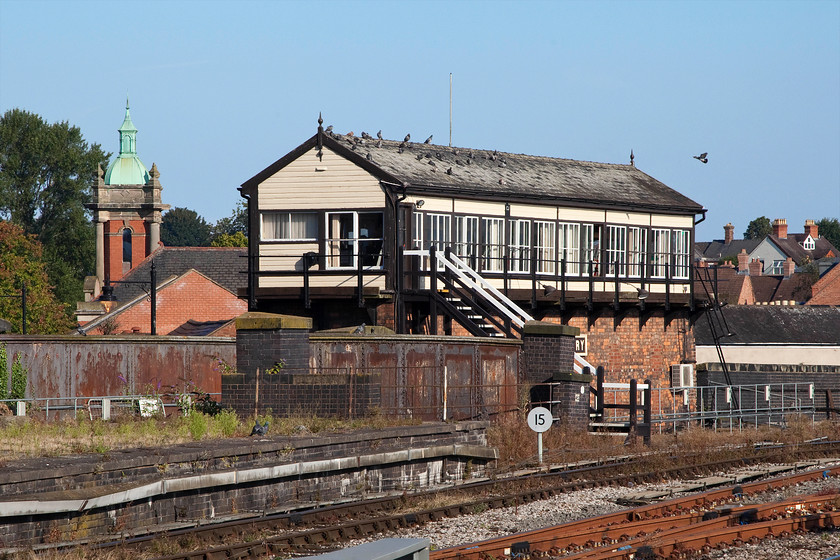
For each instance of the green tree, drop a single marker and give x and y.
(759, 228)
(22, 261)
(237, 222)
(237, 239)
(182, 227)
(830, 229)
(46, 174)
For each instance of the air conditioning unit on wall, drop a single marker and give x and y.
(682, 375)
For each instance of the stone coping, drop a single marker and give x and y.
(256, 320)
(573, 377)
(549, 329)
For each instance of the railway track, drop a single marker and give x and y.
(324, 527)
(664, 524)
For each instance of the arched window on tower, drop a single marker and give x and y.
(126, 248)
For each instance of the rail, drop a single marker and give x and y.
(723, 407)
(54, 408)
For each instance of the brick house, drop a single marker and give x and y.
(779, 269)
(194, 285)
(430, 239)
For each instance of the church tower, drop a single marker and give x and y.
(126, 209)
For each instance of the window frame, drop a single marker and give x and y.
(353, 240)
(287, 214)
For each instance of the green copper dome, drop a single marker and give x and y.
(127, 169)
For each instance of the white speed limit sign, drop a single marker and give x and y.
(539, 419)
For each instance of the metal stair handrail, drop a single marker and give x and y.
(478, 284)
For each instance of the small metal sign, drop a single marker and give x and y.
(580, 345)
(539, 419)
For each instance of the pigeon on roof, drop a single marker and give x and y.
(379, 134)
(429, 139)
(329, 129)
(407, 137)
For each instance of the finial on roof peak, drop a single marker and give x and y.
(320, 120)
(632, 157)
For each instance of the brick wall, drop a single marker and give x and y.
(371, 477)
(178, 302)
(628, 350)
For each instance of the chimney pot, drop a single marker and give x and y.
(743, 261)
(780, 228)
(788, 267)
(756, 266)
(728, 233)
(812, 229)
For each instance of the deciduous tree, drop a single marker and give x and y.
(46, 173)
(759, 228)
(830, 229)
(22, 261)
(182, 227)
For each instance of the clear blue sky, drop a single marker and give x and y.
(219, 90)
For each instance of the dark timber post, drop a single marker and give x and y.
(647, 395)
(433, 288)
(633, 407)
(360, 279)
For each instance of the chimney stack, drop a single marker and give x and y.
(728, 233)
(743, 261)
(812, 229)
(756, 266)
(788, 267)
(780, 228)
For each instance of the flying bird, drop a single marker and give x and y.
(429, 139)
(702, 157)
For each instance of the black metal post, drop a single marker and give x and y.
(616, 304)
(589, 304)
(563, 284)
(534, 278)
(360, 280)
(153, 278)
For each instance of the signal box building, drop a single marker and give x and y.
(435, 240)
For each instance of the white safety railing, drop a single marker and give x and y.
(478, 284)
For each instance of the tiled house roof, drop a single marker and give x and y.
(191, 296)
(489, 174)
(826, 291)
(775, 324)
(792, 247)
(718, 249)
(732, 288)
(227, 266)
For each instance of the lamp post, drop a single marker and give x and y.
(22, 297)
(108, 294)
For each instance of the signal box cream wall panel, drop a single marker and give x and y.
(332, 281)
(331, 183)
(533, 211)
(628, 218)
(477, 208)
(683, 222)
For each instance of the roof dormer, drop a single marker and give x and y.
(809, 244)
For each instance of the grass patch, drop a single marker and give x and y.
(31, 437)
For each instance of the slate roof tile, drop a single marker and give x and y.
(775, 324)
